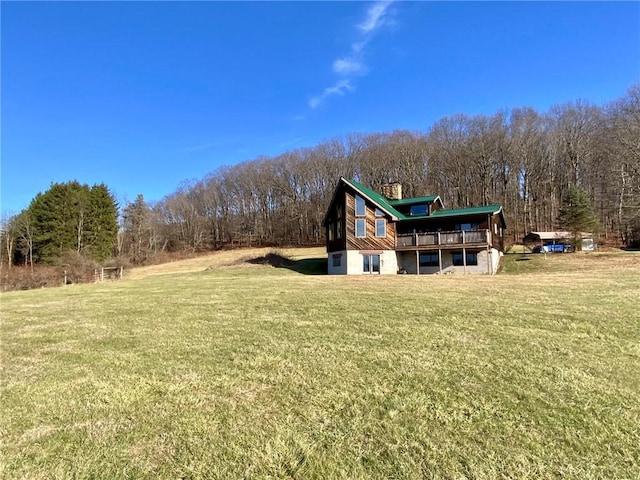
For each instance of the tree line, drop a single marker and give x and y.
(68, 217)
(523, 159)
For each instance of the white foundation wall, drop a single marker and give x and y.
(388, 262)
(496, 255)
(354, 262)
(391, 262)
(339, 269)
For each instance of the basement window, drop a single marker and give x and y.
(472, 259)
(429, 260)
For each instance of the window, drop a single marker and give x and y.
(331, 230)
(381, 227)
(370, 263)
(429, 260)
(361, 208)
(361, 228)
(466, 226)
(418, 210)
(337, 260)
(338, 225)
(379, 213)
(472, 258)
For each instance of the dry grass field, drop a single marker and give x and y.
(227, 367)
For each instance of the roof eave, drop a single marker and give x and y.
(375, 202)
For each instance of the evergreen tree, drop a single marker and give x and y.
(73, 217)
(102, 225)
(577, 214)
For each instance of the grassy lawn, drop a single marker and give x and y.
(222, 368)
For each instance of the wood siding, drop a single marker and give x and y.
(337, 244)
(370, 242)
(498, 239)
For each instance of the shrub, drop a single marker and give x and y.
(25, 278)
(76, 268)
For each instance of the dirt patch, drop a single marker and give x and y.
(273, 260)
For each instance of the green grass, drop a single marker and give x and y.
(250, 371)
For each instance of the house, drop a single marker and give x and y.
(370, 233)
(560, 241)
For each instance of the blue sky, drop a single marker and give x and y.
(144, 95)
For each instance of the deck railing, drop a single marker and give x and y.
(457, 237)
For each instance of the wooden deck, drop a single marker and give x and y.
(452, 239)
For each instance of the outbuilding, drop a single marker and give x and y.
(560, 241)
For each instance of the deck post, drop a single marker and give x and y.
(440, 257)
(417, 262)
(464, 259)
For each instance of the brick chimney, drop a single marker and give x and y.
(393, 191)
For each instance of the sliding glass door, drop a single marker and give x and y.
(370, 263)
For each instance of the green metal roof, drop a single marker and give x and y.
(388, 205)
(483, 209)
(414, 200)
(378, 199)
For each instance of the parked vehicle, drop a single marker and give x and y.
(554, 248)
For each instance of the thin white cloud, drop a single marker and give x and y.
(358, 46)
(351, 65)
(338, 89)
(375, 17)
(347, 66)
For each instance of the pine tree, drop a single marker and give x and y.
(577, 214)
(102, 225)
(73, 217)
